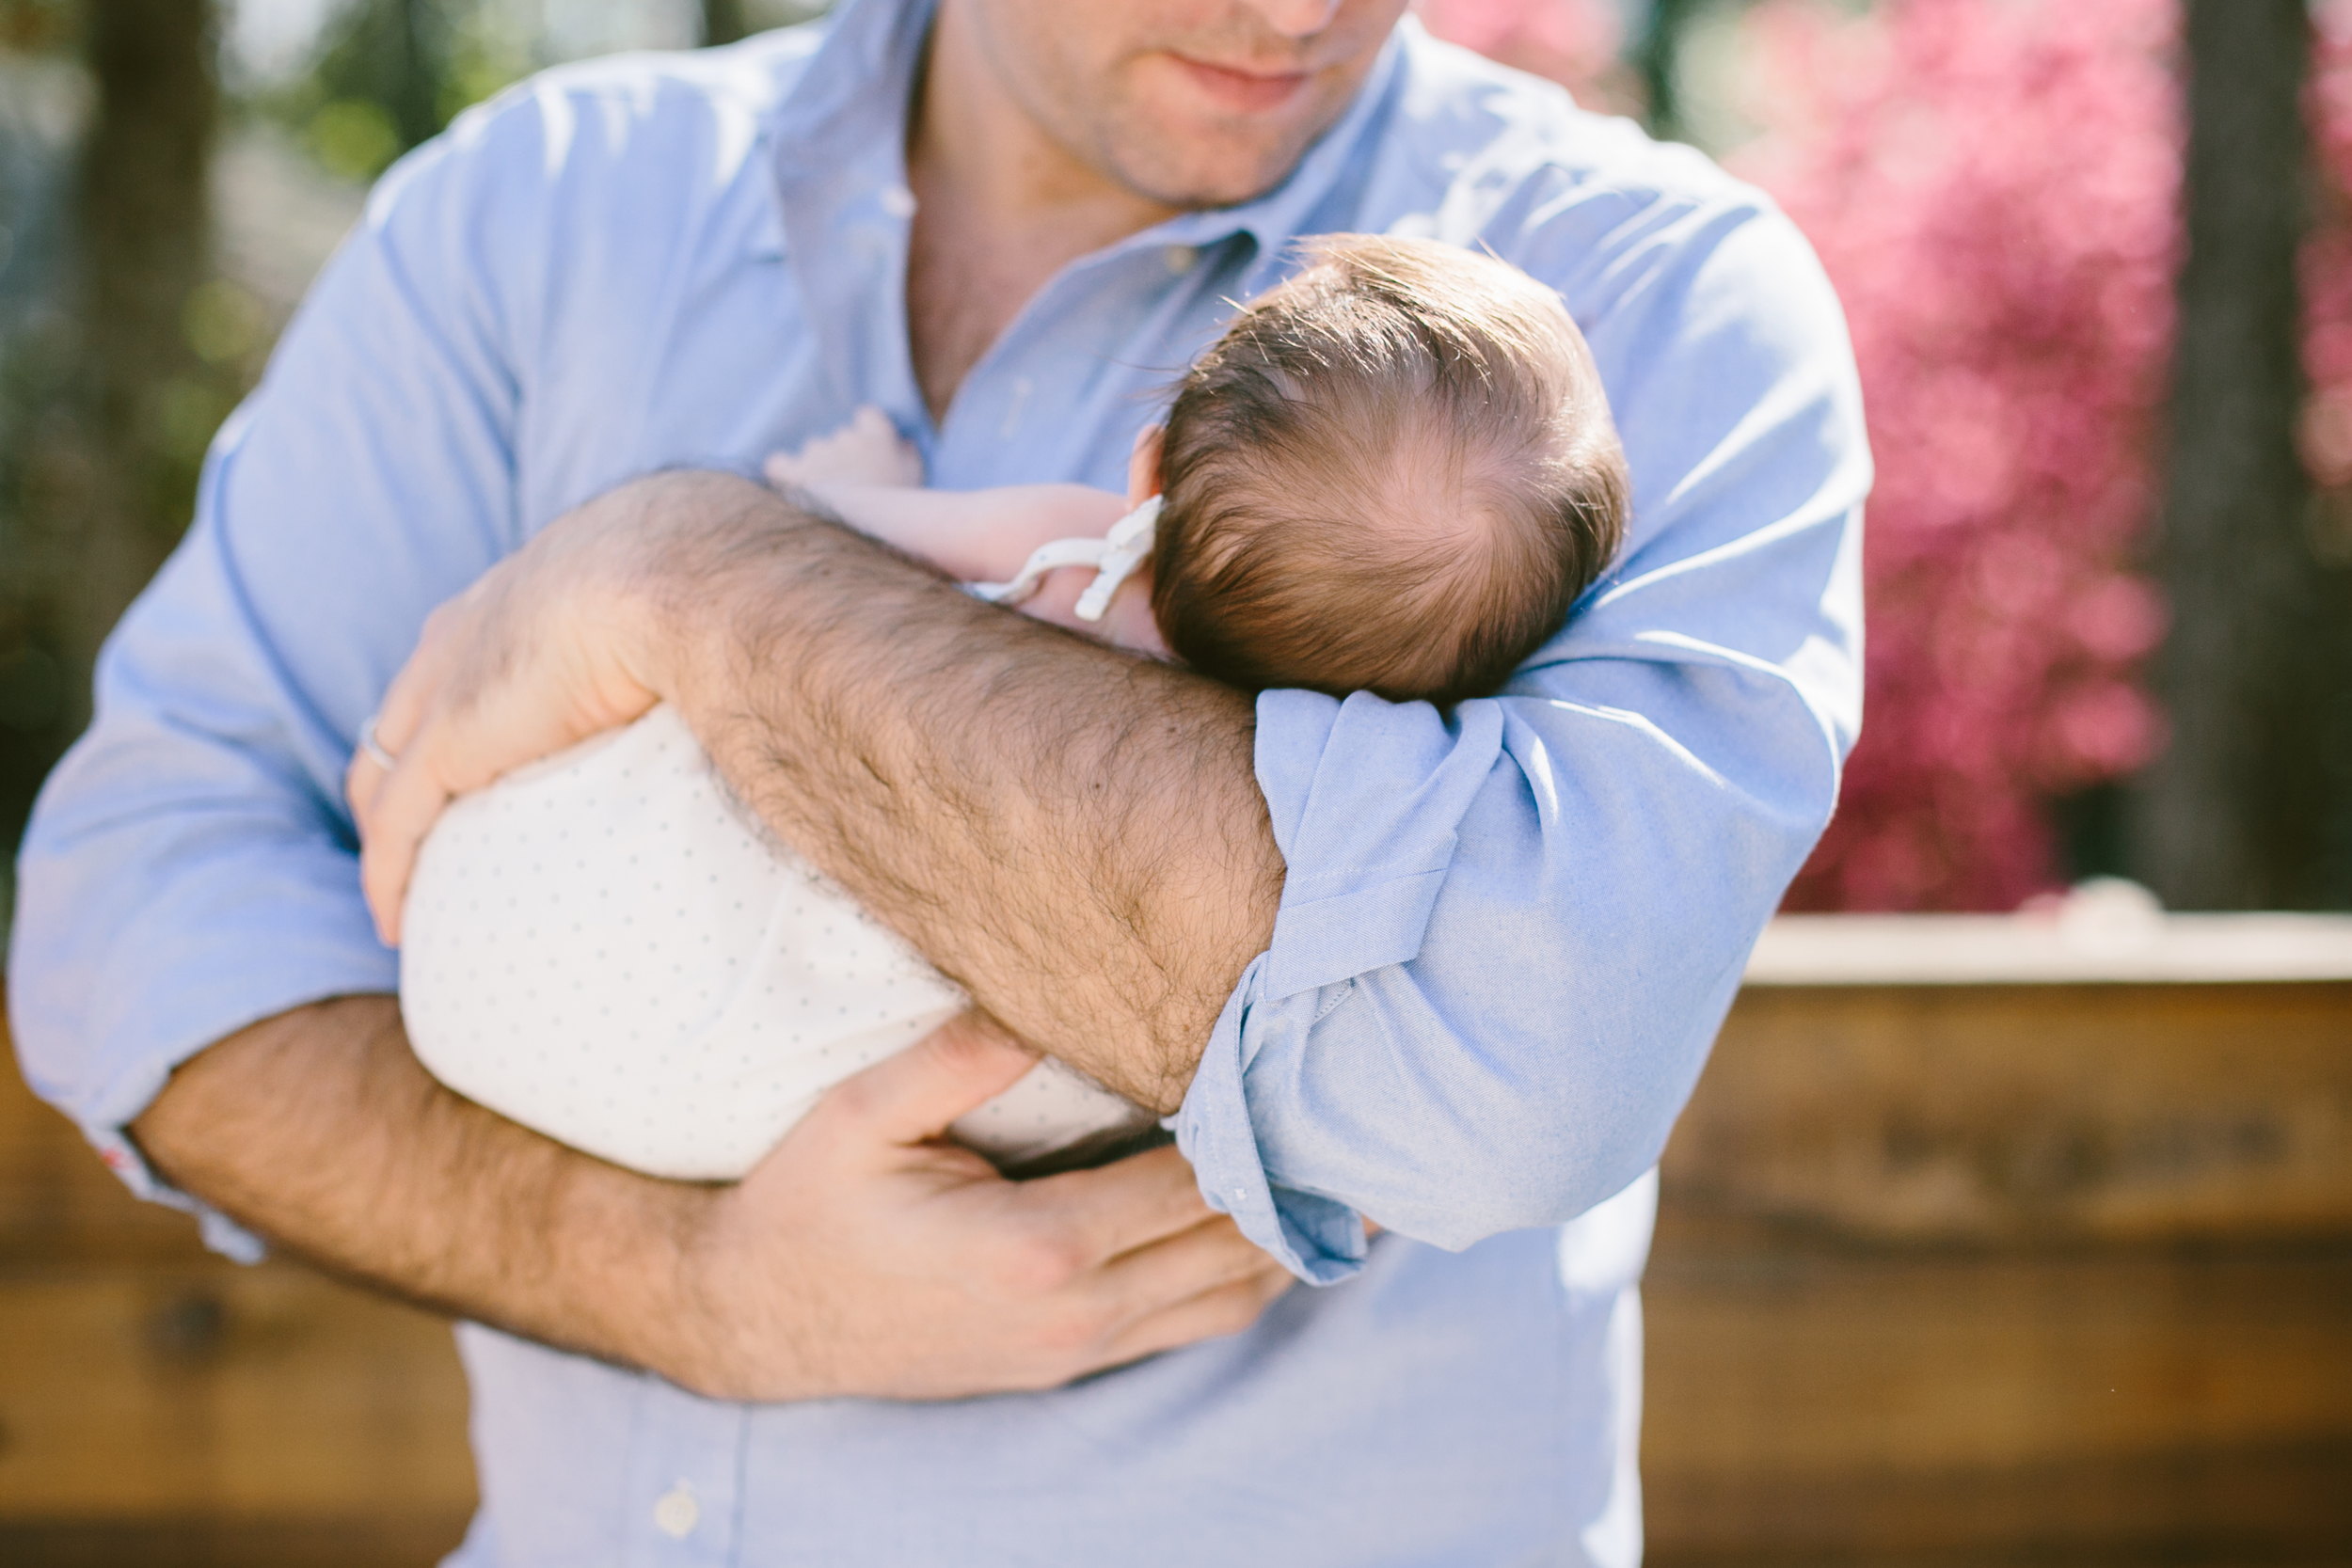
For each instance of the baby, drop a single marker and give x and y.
(1394, 473)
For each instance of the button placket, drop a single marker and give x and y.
(1007, 424)
(682, 1505)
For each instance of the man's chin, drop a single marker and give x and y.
(1212, 181)
(1187, 136)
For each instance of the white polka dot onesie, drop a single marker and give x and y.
(606, 947)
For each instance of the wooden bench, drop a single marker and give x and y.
(1982, 1240)
(2013, 1239)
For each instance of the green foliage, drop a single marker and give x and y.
(389, 73)
(223, 321)
(354, 137)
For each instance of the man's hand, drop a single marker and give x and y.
(544, 650)
(863, 1258)
(925, 1275)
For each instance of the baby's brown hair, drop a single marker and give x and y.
(1442, 395)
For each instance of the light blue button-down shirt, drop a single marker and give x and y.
(1506, 936)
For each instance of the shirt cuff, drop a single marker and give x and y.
(221, 1233)
(108, 1003)
(1319, 1240)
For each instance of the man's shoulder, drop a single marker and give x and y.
(660, 127)
(1473, 147)
(1464, 110)
(1651, 238)
(753, 77)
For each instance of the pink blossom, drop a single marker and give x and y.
(1573, 43)
(1994, 189)
(2325, 434)
(1586, 33)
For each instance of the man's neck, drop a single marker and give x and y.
(1000, 207)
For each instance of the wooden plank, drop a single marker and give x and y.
(159, 1405)
(1796, 1363)
(2086, 940)
(2271, 1508)
(1816, 1400)
(372, 1541)
(2029, 1114)
(231, 1393)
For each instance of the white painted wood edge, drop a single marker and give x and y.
(2063, 945)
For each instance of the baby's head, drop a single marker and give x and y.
(1394, 473)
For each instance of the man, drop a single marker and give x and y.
(1454, 973)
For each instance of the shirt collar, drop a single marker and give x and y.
(856, 83)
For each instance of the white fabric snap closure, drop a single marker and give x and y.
(676, 1514)
(1113, 557)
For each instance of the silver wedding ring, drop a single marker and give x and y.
(374, 748)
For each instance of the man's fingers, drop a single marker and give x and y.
(419, 683)
(1206, 1257)
(399, 812)
(361, 781)
(1124, 1206)
(386, 812)
(1228, 1309)
(910, 1097)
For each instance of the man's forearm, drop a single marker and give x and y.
(320, 1129)
(865, 1256)
(1074, 834)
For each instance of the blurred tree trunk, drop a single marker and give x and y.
(723, 22)
(1659, 58)
(417, 74)
(2253, 674)
(116, 466)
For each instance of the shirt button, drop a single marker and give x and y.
(676, 1514)
(1179, 259)
(897, 202)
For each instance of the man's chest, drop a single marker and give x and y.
(718, 362)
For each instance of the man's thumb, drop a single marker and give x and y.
(913, 1096)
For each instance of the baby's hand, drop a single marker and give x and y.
(866, 450)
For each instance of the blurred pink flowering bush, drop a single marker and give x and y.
(2326, 280)
(1992, 188)
(1574, 42)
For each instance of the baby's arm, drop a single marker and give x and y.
(972, 535)
(866, 475)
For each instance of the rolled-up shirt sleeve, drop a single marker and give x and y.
(1509, 933)
(191, 866)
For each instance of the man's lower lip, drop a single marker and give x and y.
(1240, 89)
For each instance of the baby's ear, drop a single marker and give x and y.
(1143, 465)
